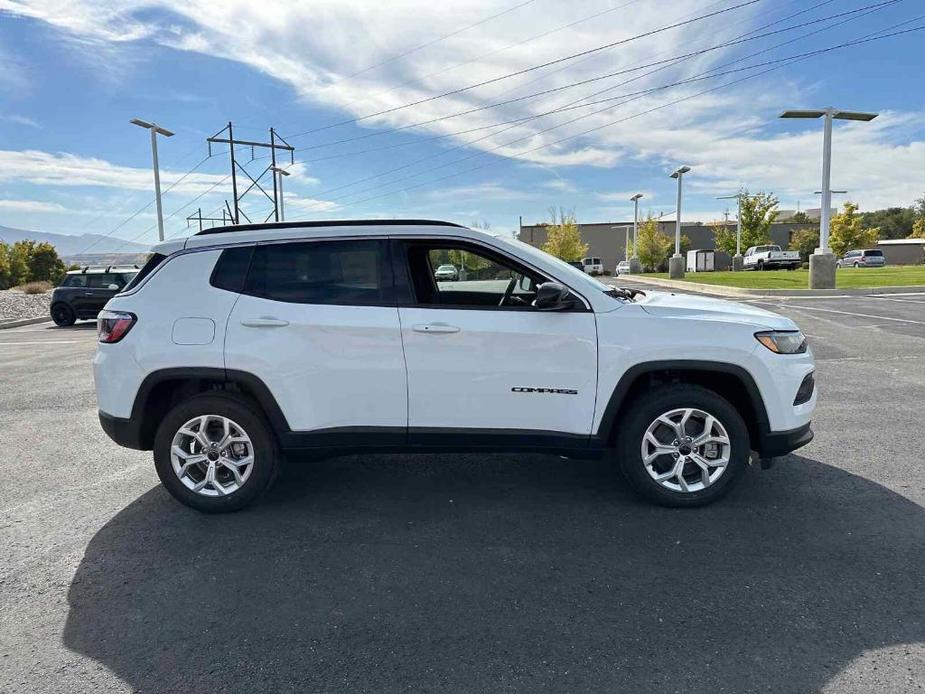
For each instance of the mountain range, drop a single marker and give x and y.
(72, 245)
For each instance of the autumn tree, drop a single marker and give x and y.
(19, 262)
(724, 237)
(918, 229)
(758, 213)
(806, 241)
(847, 232)
(653, 247)
(6, 280)
(563, 239)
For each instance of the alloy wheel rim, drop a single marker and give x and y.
(686, 450)
(212, 455)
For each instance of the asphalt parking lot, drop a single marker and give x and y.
(472, 573)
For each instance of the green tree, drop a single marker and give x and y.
(758, 213)
(44, 264)
(893, 222)
(19, 262)
(6, 279)
(563, 239)
(724, 237)
(800, 218)
(654, 247)
(847, 231)
(806, 241)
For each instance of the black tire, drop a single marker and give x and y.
(265, 451)
(857, 265)
(646, 409)
(760, 266)
(63, 315)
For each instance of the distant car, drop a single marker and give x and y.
(770, 258)
(446, 273)
(84, 293)
(592, 266)
(862, 258)
(577, 264)
(623, 267)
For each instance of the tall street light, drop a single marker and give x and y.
(822, 262)
(282, 172)
(626, 242)
(676, 262)
(155, 131)
(737, 258)
(635, 267)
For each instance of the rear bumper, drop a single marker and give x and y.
(125, 432)
(777, 443)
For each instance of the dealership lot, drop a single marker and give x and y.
(472, 572)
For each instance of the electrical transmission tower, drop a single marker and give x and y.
(224, 219)
(226, 136)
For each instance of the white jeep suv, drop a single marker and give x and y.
(241, 345)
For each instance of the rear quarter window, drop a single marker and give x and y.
(231, 269)
(154, 260)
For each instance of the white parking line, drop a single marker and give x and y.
(42, 342)
(857, 315)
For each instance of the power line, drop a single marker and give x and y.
(527, 70)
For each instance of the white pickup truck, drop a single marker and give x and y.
(770, 258)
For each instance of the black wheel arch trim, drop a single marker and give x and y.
(621, 391)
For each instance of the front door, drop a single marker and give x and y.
(481, 360)
(317, 323)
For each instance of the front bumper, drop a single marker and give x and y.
(125, 432)
(777, 443)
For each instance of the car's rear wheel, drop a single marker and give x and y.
(63, 315)
(857, 265)
(683, 445)
(215, 453)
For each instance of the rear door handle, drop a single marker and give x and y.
(264, 322)
(435, 328)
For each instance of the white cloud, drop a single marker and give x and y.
(20, 120)
(481, 191)
(728, 136)
(295, 203)
(31, 206)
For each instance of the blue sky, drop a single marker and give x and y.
(72, 74)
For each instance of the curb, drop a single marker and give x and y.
(744, 292)
(25, 321)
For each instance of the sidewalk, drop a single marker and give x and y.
(719, 290)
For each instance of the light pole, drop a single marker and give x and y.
(737, 258)
(676, 262)
(822, 262)
(282, 172)
(626, 243)
(635, 267)
(155, 131)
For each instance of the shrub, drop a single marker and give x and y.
(35, 287)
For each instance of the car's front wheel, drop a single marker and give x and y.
(683, 445)
(63, 315)
(215, 453)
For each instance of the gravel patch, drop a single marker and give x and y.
(14, 305)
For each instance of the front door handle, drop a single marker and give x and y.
(264, 322)
(435, 328)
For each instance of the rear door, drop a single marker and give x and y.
(317, 323)
(483, 364)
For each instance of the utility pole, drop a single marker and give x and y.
(676, 262)
(278, 171)
(822, 262)
(635, 266)
(276, 143)
(155, 131)
(737, 263)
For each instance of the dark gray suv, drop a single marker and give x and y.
(84, 293)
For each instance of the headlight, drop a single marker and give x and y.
(783, 342)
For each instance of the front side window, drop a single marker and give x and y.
(321, 272)
(481, 279)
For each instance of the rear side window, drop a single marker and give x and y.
(353, 273)
(231, 269)
(150, 266)
(875, 254)
(103, 280)
(75, 281)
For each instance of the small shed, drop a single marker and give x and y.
(903, 251)
(701, 260)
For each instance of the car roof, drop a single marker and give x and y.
(103, 270)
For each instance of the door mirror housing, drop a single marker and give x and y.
(552, 296)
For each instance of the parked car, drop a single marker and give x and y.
(84, 293)
(593, 266)
(577, 264)
(770, 258)
(446, 273)
(623, 268)
(242, 344)
(862, 258)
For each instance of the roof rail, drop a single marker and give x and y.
(331, 223)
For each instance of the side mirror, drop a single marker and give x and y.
(552, 296)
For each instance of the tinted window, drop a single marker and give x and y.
(150, 265)
(321, 272)
(75, 281)
(231, 269)
(102, 280)
(873, 253)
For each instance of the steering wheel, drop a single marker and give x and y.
(508, 291)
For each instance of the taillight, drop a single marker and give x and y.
(112, 326)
